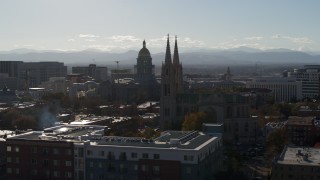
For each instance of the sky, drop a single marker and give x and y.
(113, 25)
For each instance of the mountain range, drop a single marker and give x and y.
(237, 56)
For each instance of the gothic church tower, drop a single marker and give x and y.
(171, 85)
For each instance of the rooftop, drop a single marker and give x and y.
(95, 136)
(300, 156)
(295, 120)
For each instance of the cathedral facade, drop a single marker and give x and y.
(171, 86)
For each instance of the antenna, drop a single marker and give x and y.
(117, 64)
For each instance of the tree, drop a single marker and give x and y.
(275, 142)
(193, 121)
(24, 122)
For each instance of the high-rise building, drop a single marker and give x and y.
(34, 73)
(171, 85)
(309, 76)
(99, 73)
(10, 68)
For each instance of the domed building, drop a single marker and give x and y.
(144, 70)
(142, 87)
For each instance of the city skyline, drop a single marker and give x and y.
(113, 25)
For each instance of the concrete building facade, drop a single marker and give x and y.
(283, 89)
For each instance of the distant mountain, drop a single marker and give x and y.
(237, 56)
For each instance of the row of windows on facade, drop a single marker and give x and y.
(154, 170)
(299, 128)
(45, 162)
(123, 168)
(34, 150)
(36, 172)
(294, 168)
(123, 155)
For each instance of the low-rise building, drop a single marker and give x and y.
(296, 163)
(302, 130)
(83, 152)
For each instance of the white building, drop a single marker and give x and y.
(283, 89)
(310, 78)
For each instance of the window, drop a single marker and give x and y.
(9, 160)
(134, 155)
(33, 161)
(68, 163)
(101, 176)
(156, 170)
(56, 162)
(34, 150)
(80, 152)
(68, 174)
(135, 167)
(46, 163)
(144, 168)
(17, 160)
(68, 152)
(16, 149)
(188, 170)
(9, 148)
(34, 172)
(100, 164)
(45, 151)
(122, 156)
(9, 170)
(89, 152)
(55, 151)
(56, 173)
(145, 155)
(91, 164)
(101, 153)
(188, 158)
(111, 155)
(156, 156)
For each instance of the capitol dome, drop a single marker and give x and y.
(144, 51)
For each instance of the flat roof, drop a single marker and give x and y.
(297, 156)
(295, 120)
(95, 135)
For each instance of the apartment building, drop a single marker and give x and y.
(83, 152)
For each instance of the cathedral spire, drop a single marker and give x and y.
(176, 53)
(144, 44)
(168, 52)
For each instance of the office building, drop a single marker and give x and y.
(98, 73)
(283, 89)
(309, 76)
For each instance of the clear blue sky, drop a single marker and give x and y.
(123, 24)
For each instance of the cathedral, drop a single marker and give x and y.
(171, 86)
